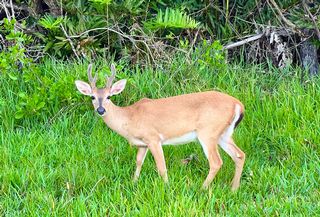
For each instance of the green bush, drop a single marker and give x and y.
(13, 56)
(28, 90)
(211, 55)
(124, 28)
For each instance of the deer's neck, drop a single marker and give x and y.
(116, 118)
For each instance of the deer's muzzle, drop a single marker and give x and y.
(101, 110)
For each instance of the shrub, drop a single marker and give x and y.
(27, 90)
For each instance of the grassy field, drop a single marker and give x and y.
(69, 163)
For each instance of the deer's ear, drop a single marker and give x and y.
(84, 88)
(118, 87)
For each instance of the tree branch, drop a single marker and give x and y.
(12, 10)
(70, 42)
(123, 35)
(284, 19)
(15, 7)
(242, 42)
(306, 9)
(4, 5)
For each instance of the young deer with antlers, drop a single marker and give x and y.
(209, 117)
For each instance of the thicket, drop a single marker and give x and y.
(146, 31)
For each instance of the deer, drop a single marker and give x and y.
(207, 117)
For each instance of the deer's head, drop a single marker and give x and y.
(101, 96)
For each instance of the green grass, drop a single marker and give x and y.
(73, 165)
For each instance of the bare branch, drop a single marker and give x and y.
(1, 38)
(124, 36)
(306, 9)
(284, 19)
(242, 42)
(70, 42)
(12, 11)
(4, 5)
(193, 43)
(14, 6)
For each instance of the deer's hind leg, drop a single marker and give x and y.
(209, 144)
(238, 156)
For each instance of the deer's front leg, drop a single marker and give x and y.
(141, 155)
(157, 153)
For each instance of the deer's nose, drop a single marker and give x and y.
(101, 110)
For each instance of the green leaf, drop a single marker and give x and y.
(12, 76)
(22, 95)
(48, 45)
(19, 114)
(171, 18)
(61, 38)
(50, 22)
(40, 105)
(103, 2)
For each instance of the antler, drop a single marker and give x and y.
(113, 75)
(91, 80)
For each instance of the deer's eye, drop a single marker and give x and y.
(108, 97)
(93, 98)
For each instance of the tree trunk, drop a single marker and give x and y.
(54, 7)
(35, 8)
(308, 55)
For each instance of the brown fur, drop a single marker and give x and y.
(175, 116)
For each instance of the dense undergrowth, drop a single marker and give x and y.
(63, 160)
(145, 31)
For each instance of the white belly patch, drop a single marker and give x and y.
(185, 138)
(137, 142)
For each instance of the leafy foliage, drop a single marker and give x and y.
(49, 22)
(138, 30)
(102, 2)
(172, 18)
(211, 55)
(33, 90)
(13, 52)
